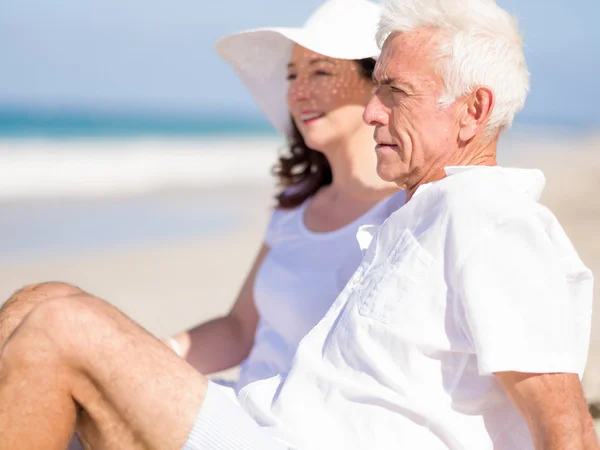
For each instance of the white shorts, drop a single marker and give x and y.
(222, 424)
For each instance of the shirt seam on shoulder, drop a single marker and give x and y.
(460, 260)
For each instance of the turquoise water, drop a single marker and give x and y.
(24, 123)
(18, 123)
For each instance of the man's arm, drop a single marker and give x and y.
(554, 407)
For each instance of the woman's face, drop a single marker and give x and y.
(326, 97)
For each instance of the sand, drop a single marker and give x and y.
(165, 286)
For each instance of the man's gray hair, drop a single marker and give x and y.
(479, 45)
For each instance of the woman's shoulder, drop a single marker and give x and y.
(391, 204)
(283, 220)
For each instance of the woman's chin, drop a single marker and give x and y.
(315, 142)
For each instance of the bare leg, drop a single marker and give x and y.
(20, 304)
(76, 360)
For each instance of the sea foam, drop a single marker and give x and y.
(104, 167)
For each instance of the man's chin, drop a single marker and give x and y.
(393, 176)
(386, 174)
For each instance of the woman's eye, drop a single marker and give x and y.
(291, 76)
(322, 73)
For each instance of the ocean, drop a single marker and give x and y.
(23, 123)
(53, 153)
(80, 181)
(72, 182)
(69, 153)
(59, 124)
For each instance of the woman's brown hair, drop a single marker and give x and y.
(302, 171)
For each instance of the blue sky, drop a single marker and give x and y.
(157, 55)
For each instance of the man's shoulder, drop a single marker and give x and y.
(455, 212)
(471, 204)
(498, 203)
(489, 195)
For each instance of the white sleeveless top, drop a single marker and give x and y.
(301, 276)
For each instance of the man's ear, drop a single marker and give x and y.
(478, 107)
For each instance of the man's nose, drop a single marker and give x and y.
(375, 112)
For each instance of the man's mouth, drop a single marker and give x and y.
(385, 146)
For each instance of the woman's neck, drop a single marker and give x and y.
(354, 169)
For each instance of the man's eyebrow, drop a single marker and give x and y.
(397, 81)
(313, 61)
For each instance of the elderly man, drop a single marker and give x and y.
(465, 327)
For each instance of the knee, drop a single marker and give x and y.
(42, 291)
(55, 326)
(44, 339)
(62, 314)
(25, 300)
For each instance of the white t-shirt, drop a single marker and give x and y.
(472, 276)
(300, 278)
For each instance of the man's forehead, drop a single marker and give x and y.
(405, 55)
(391, 63)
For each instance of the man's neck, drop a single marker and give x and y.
(483, 155)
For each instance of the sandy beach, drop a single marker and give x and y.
(171, 283)
(168, 285)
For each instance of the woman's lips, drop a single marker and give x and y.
(308, 118)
